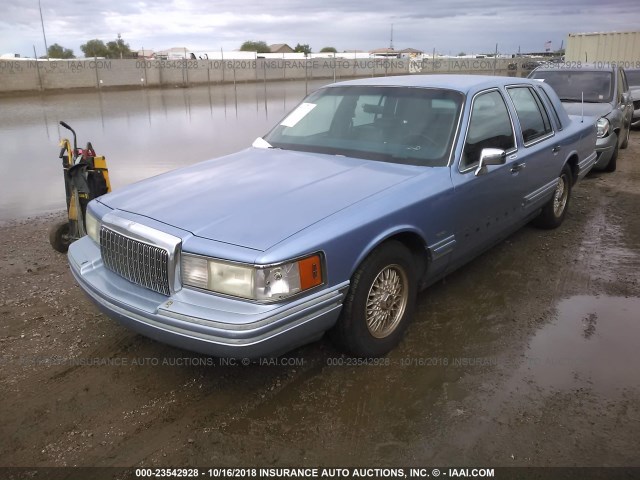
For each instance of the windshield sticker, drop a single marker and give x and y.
(261, 143)
(298, 114)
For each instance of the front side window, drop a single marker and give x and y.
(489, 127)
(414, 126)
(533, 117)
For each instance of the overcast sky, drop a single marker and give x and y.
(449, 26)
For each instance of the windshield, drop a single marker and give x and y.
(394, 124)
(597, 87)
(633, 78)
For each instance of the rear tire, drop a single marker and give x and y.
(380, 302)
(553, 213)
(59, 236)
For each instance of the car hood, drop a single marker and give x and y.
(590, 109)
(257, 197)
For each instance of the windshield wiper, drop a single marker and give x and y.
(578, 100)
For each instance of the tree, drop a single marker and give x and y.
(118, 49)
(328, 50)
(94, 48)
(253, 46)
(461, 54)
(57, 51)
(306, 49)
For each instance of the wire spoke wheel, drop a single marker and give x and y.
(560, 196)
(380, 302)
(553, 212)
(386, 301)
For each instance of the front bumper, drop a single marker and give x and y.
(604, 149)
(203, 322)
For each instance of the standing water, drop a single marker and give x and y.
(141, 132)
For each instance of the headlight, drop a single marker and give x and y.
(603, 127)
(261, 283)
(92, 225)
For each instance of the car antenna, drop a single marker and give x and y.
(582, 104)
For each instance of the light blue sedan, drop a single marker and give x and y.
(369, 191)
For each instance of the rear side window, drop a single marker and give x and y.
(489, 127)
(533, 117)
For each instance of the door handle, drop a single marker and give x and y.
(556, 149)
(517, 167)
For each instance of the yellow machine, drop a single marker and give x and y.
(85, 178)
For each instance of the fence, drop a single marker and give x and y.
(42, 75)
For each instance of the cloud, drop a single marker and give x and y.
(446, 25)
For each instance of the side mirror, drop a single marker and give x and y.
(625, 97)
(490, 156)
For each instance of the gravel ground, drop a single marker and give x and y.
(525, 357)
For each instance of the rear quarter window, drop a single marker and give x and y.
(552, 108)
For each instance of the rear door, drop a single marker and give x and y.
(540, 156)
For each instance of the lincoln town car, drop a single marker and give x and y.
(365, 194)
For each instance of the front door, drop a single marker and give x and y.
(489, 203)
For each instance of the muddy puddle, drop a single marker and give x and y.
(593, 341)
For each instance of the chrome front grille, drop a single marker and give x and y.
(143, 264)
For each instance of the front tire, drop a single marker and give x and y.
(613, 161)
(380, 302)
(553, 213)
(625, 144)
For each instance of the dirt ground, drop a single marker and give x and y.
(525, 357)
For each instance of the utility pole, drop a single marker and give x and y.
(391, 42)
(43, 34)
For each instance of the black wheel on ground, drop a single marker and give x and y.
(59, 236)
(625, 144)
(553, 213)
(380, 302)
(613, 161)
